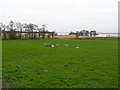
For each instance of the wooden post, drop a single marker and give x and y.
(77, 34)
(39, 34)
(14, 35)
(0, 33)
(52, 35)
(43, 36)
(34, 35)
(25, 35)
(4, 34)
(28, 35)
(48, 36)
(20, 34)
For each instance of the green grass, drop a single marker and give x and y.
(0, 64)
(30, 64)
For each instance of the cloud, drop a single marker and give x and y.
(63, 15)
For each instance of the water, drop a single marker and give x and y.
(108, 35)
(100, 34)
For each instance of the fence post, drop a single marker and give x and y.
(39, 34)
(77, 34)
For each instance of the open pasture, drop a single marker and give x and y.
(37, 64)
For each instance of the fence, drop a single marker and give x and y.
(12, 35)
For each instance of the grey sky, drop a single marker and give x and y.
(63, 15)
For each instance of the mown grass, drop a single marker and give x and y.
(0, 64)
(30, 64)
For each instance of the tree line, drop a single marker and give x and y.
(32, 31)
(24, 31)
(84, 33)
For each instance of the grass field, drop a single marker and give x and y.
(31, 64)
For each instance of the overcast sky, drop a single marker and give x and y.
(63, 15)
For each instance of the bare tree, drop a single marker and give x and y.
(87, 33)
(15, 30)
(84, 33)
(39, 29)
(43, 30)
(12, 31)
(2, 29)
(19, 28)
(26, 28)
(93, 33)
(31, 27)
